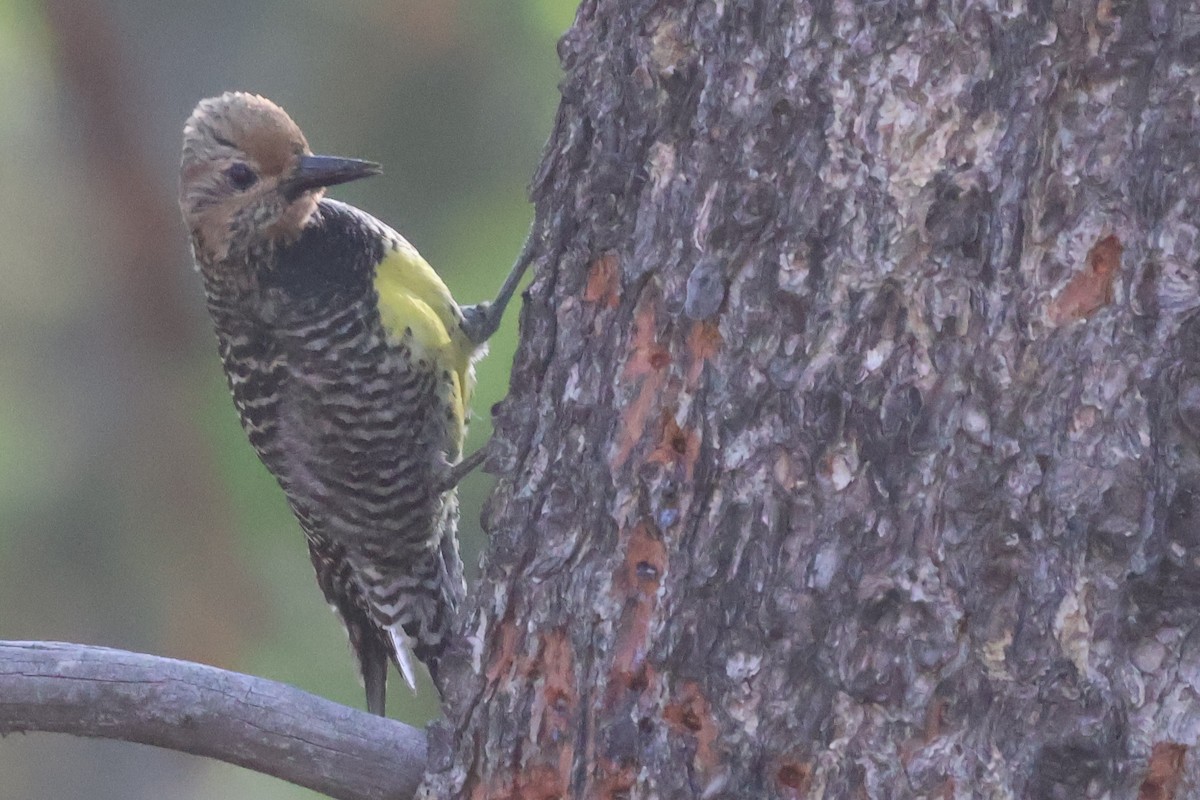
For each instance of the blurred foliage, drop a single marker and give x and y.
(132, 511)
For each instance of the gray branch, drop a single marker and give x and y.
(252, 722)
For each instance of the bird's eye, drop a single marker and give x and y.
(241, 176)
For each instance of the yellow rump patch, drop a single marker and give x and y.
(413, 297)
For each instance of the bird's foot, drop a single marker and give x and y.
(456, 472)
(481, 320)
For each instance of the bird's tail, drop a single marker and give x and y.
(373, 652)
(421, 612)
(373, 661)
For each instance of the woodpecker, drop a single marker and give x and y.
(351, 368)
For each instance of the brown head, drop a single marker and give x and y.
(248, 175)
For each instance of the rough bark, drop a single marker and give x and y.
(252, 722)
(852, 449)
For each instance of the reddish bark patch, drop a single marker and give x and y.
(935, 719)
(558, 705)
(603, 281)
(615, 782)
(505, 649)
(689, 714)
(1164, 773)
(556, 664)
(540, 783)
(794, 778)
(546, 772)
(637, 580)
(640, 370)
(644, 564)
(533, 783)
(703, 343)
(1091, 288)
(677, 447)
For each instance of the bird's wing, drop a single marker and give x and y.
(413, 297)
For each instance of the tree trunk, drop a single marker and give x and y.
(853, 448)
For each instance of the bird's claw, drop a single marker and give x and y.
(456, 472)
(480, 321)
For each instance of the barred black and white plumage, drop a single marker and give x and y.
(350, 367)
(357, 428)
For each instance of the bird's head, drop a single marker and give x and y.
(248, 175)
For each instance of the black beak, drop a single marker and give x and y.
(315, 172)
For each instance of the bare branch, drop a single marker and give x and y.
(252, 722)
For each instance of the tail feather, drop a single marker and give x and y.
(367, 639)
(398, 610)
(373, 660)
(403, 653)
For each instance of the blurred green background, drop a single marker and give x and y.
(132, 512)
